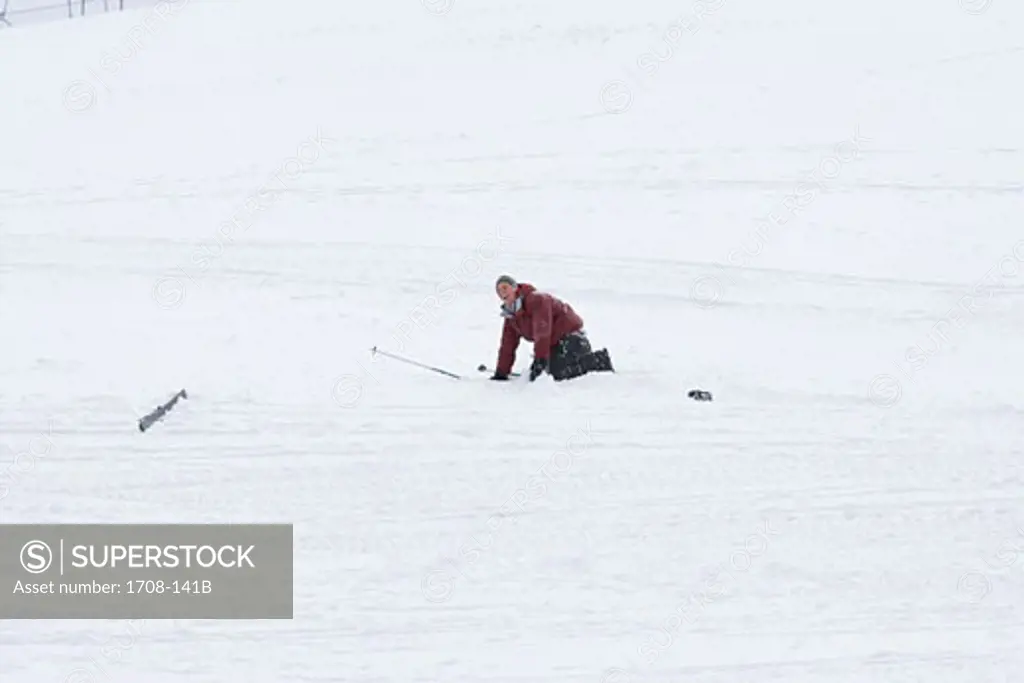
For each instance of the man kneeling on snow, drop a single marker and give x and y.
(560, 346)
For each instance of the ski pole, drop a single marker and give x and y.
(375, 350)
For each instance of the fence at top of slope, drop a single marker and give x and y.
(21, 12)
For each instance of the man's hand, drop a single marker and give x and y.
(539, 366)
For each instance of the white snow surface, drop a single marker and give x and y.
(811, 209)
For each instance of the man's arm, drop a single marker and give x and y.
(507, 353)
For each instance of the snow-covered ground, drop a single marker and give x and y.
(812, 209)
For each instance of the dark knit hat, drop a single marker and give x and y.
(507, 279)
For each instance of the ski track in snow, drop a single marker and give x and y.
(848, 508)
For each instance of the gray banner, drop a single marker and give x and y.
(146, 571)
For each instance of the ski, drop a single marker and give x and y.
(158, 412)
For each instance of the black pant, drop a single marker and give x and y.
(573, 357)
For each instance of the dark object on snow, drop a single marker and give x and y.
(496, 376)
(699, 395)
(158, 412)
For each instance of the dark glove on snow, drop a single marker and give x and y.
(539, 365)
(499, 378)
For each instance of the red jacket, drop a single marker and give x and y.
(541, 319)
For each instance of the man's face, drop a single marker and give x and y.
(507, 293)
